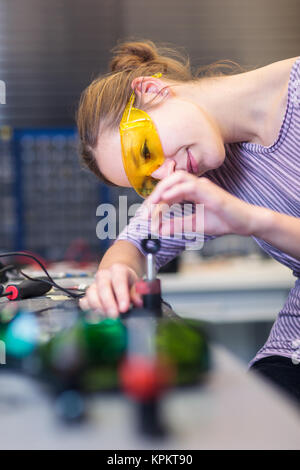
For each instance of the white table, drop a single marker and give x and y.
(234, 410)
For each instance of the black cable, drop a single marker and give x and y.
(10, 267)
(51, 280)
(4, 270)
(5, 294)
(51, 284)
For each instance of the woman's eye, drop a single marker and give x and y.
(145, 152)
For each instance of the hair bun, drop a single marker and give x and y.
(130, 55)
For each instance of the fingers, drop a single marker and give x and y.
(178, 225)
(173, 189)
(110, 305)
(171, 197)
(135, 297)
(83, 302)
(99, 296)
(179, 187)
(110, 292)
(168, 183)
(157, 212)
(120, 284)
(180, 192)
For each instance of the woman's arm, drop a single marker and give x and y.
(113, 288)
(224, 213)
(280, 230)
(124, 252)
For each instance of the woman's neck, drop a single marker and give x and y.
(247, 107)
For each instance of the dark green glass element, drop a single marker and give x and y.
(184, 345)
(105, 341)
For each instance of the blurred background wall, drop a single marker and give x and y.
(49, 51)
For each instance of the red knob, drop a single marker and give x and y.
(148, 287)
(144, 378)
(14, 292)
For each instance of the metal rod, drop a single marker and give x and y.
(151, 271)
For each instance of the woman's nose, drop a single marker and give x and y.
(164, 170)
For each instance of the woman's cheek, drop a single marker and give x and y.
(214, 156)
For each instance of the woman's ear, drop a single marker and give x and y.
(146, 88)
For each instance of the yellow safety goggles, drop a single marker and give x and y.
(142, 151)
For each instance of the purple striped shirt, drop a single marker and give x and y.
(267, 177)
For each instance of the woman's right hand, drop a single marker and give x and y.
(112, 291)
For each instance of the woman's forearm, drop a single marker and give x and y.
(280, 230)
(124, 252)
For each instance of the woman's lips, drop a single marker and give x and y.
(189, 168)
(192, 166)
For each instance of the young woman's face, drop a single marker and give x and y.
(190, 139)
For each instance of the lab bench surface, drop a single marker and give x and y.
(232, 410)
(238, 299)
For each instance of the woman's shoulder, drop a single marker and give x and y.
(276, 76)
(294, 81)
(287, 72)
(282, 68)
(283, 78)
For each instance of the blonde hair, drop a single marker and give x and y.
(102, 103)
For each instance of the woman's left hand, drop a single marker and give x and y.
(223, 212)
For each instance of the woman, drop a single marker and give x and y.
(241, 131)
